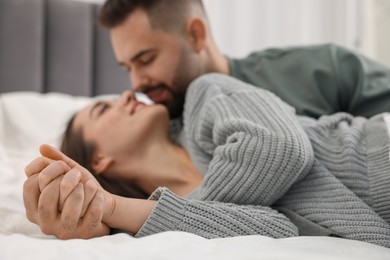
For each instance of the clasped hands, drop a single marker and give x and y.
(64, 198)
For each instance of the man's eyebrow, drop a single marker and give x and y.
(96, 105)
(137, 56)
(141, 53)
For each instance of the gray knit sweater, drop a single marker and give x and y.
(270, 172)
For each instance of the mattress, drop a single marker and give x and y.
(28, 119)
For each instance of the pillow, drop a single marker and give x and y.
(29, 119)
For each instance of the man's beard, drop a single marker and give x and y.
(181, 80)
(176, 107)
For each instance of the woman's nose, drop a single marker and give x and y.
(125, 98)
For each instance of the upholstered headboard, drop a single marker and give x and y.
(56, 46)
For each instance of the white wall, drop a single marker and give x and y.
(376, 33)
(241, 26)
(244, 25)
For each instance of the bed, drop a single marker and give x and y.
(41, 85)
(28, 119)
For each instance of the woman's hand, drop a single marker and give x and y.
(63, 198)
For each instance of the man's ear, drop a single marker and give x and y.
(196, 29)
(101, 163)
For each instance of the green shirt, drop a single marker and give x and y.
(319, 80)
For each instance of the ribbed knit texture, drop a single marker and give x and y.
(254, 150)
(213, 219)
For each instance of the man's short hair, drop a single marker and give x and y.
(168, 15)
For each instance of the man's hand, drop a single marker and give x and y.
(63, 198)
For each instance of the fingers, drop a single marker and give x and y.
(71, 213)
(48, 207)
(75, 226)
(31, 194)
(90, 189)
(69, 223)
(68, 183)
(52, 171)
(54, 154)
(59, 194)
(36, 166)
(92, 221)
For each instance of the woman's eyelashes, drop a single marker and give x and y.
(103, 108)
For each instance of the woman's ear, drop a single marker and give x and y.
(196, 29)
(101, 163)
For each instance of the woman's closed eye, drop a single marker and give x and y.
(103, 108)
(99, 108)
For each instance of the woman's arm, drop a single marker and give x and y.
(128, 214)
(45, 188)
(247, 142)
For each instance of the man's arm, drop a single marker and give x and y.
(256, 148)
(364, 84)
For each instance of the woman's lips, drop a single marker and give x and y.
(136, 107)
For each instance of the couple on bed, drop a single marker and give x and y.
(248, 163)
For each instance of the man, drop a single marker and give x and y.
(165, 44)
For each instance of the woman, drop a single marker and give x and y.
(248, 156)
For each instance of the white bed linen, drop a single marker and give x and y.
(29, 119)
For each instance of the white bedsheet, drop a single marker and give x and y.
(28, 119)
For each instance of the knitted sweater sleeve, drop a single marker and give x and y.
(213, 219)
(245, 140)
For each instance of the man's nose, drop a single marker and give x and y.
(139, 82)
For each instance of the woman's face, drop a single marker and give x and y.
(122, 127)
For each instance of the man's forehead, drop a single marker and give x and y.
(137, 29)
(132, 37)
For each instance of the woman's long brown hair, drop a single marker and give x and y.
(77, 148)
